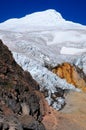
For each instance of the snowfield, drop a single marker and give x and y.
(72, 51)
(42, 40)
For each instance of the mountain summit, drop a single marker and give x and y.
(38, 21)
(47, 17)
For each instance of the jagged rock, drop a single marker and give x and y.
(17, 88)
(73, 74)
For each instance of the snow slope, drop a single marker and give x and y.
(45, 39)
(71, 51)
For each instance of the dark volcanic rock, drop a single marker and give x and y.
(19, 96)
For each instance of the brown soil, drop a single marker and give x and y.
(72, 117)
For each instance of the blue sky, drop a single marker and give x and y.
(74, 10)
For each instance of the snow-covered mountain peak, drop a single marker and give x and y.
(46, 20)
(46, 15)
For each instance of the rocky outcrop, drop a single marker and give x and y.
(21, 104)
(72, 74)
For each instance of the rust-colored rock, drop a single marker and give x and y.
(72, 74)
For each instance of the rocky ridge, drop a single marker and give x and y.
(21, 103)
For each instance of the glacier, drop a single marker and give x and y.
(43, 40)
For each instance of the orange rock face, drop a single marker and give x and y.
(72, 74)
